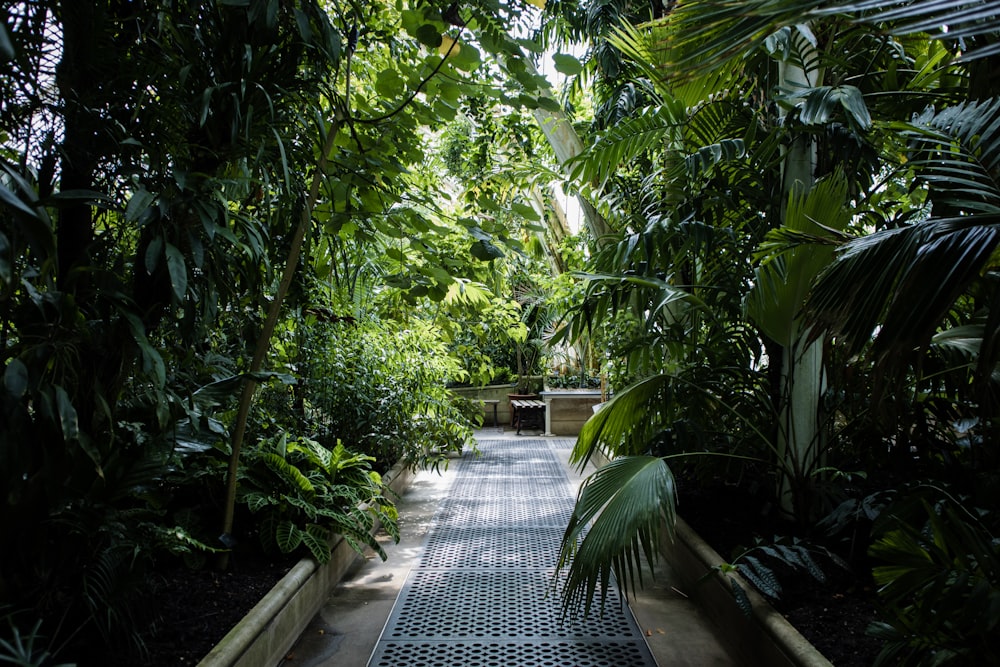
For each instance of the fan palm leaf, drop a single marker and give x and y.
(619, 517)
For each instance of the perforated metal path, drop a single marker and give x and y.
(481, 595)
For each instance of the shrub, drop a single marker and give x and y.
(303, 494)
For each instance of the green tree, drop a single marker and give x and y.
(730, 58)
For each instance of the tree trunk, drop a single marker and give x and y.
(263, 344)
(800, 436)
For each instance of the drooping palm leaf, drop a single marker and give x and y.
(625, 424)
(906, 279)
(620, 513)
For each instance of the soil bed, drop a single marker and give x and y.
(196, 608)
(833, 616)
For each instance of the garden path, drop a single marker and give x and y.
(467, 584)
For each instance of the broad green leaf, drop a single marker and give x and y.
(69, 421)
(390, 83)
(486, 251)
(467, 60)
(10, 199)
(567, 64)
(153, 253)
(429, 35)
(138, 203)
(288, 537)
(178, 271)
(15, 378)
(525, 211)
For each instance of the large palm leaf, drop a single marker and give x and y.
(619, 517)
(906, 279)
(705, 35)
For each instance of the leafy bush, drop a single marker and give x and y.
(304, 494)
(380, 389)
(939, 583)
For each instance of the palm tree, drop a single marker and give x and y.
(705, 41)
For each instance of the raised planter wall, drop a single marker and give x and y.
(495, 392)
(567, 410)
(271, 628)
(763, 638)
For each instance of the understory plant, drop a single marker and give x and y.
(304, 494)
(376, 386)
(939, 581)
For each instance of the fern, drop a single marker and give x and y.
(304, 494)
(762, 564)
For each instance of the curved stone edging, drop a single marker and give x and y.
(766, 637)
(264, 636)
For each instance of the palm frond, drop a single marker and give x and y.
(630, 138)
(967, 19)
(625, 424)
(619, 515)
(957, 152)
(906, 279)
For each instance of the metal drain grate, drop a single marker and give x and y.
(506, 654)
(482, 594)
(513, 604)
(510, 487)
(493, 547)
(505, 512)
(511, 466)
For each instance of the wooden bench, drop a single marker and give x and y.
(530, 414)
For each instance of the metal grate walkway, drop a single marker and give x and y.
(478, 596)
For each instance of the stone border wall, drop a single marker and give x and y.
(271, 628)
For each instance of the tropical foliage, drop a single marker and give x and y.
(192, 194)
(804, 280)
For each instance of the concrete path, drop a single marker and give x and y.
(466, 584)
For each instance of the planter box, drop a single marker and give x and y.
(271, 628)
(567, 410)
(763, 638)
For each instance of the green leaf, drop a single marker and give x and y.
(177, 270)
(153, 252)
(485, 251)
(69, 421)
(15, 378)
(548, 104)
(9, 198)
(567, 64)
(315, 538)
(138, 203)
(287, 536)
(6, 47)
(429, 35)
(525, 211)
(619, 514)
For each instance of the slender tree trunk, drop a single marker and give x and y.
(800, 437)
(75, 77)
(263, 344)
